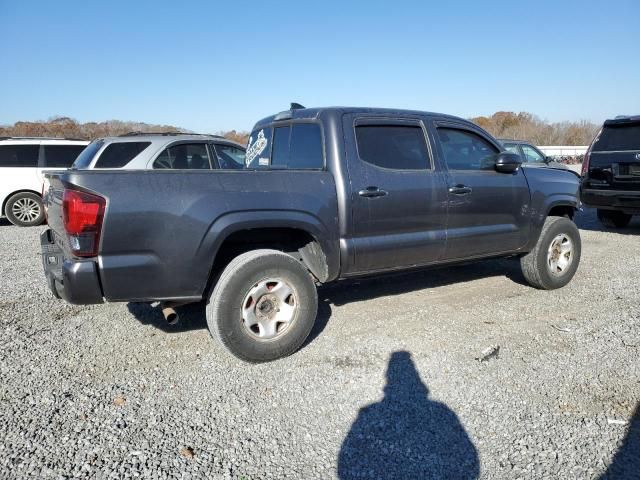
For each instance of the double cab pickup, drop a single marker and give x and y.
(324, 194)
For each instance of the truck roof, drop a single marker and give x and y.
(315, 113)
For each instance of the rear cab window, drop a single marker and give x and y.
(292, 146)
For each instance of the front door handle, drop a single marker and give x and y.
(371, 192)
(460, 190)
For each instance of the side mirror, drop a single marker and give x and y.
(508, 162)
(548, 159)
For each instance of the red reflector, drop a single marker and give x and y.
(82, 214)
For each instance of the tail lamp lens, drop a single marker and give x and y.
(82, 215)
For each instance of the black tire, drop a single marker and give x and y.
(613, 219)
(17, 212)
(536, 267)
(239, 278)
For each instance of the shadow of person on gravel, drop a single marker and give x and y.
(626, 461)
(407, 435)
(194, 317)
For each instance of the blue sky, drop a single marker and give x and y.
(209, 66)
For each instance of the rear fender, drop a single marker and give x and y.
(251, 220)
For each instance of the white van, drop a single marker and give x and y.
(22, 163)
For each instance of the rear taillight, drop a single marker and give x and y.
(82, 214)
(585, 162)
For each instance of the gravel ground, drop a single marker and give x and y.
(388, 386)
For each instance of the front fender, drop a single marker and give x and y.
(550, 188)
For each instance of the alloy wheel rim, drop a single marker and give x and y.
(26, 210)
(269, 308)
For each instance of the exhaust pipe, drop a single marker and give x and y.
(169, 313)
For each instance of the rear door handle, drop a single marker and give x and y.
(371, 192)
(460, 190)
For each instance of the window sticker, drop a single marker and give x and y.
(255, 149)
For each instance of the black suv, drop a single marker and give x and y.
(611, 172)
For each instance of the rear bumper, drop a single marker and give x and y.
(627, 201)
(75, 281)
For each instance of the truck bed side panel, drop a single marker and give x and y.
(162, 229)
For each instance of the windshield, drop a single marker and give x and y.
(86, 156)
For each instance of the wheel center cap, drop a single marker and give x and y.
(267, 306)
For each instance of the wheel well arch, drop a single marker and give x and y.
(562, 210)
(8, 197)
(295, 241)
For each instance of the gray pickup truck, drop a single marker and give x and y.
(325, 194)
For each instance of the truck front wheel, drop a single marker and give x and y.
(263, 307)
(554, 260)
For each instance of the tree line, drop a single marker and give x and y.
(518, 126)
(525, 126)
(65, 127)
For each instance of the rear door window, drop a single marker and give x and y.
(621, 138)
(185, 156)
(465, 150)
(61, 156)
(398, 147)
(118, 154)
(19, 155)
(229, 157)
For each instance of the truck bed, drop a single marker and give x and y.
(162, 229)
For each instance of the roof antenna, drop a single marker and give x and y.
(296, 106)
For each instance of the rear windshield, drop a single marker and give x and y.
(295, 146)
(86, 156)
(118, 154)
(622, 137)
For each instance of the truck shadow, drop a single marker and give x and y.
(588, 220)
(626, 461)
(407, 434)
(193, 316)
(347, 291)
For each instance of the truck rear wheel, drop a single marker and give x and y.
(613, 219)
(554, 260)
(263, 307)
(25, 209)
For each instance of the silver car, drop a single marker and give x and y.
(147, 151)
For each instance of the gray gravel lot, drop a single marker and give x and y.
(387, 387)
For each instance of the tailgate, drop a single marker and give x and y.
(52, 199)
